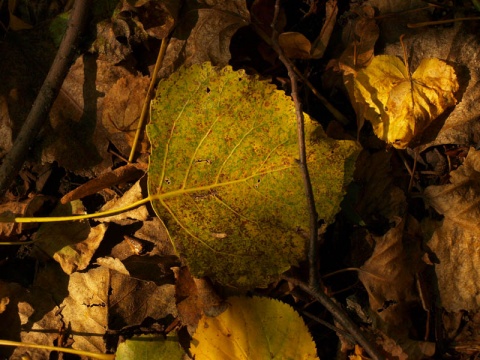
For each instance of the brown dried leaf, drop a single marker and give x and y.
(388, 298)
(295, 45)
(75, 138)
(380, 200)
(389, 277)
(154, 18)
(135, 193)
(204, 33)
(86, 308)
(71, 244)
(455, 241)
(122, 107)
(132, 301)
(320, 44)
(188, 301)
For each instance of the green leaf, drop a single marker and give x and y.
(253, 328)
(224, 175)
(150, 347)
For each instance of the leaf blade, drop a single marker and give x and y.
(229, 188)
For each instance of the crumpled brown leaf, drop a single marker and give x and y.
(455, 240)
(204, 33)
(133, 23)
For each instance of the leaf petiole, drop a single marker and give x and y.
(82, 217)
(89, 354)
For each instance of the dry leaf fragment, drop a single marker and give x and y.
(121, 111)
(455, 241)
(295, 45)
(401, 105)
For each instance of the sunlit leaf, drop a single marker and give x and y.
(401, 105)
(251, 329)
(150, 347)
(225, 177)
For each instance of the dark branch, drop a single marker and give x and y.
(307, 184)
(13, 161)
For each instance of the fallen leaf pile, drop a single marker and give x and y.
(204, 265)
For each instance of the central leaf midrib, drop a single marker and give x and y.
(182, 191)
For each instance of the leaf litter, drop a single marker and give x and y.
(393, 187)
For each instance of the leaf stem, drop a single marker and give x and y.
(314, 279)
(148, 97)
(88, 354)
(82, 217)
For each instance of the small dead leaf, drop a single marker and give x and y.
(131, 301)
(72, 244)
(295, 45)
(396, 259)
(189, 303)
(401, 105)
(320, 44)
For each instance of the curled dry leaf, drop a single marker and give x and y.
(400, 105)
(455, 240)
(459, 46)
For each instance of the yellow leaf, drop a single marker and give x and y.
(400, 105)
(253, 328)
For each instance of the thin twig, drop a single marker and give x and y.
(334, 111)
(13, 161)
(314, 279)
(340, 316)
(148, 97)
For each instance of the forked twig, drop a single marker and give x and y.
(13, 161)
(314, 279)
(340, 316)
